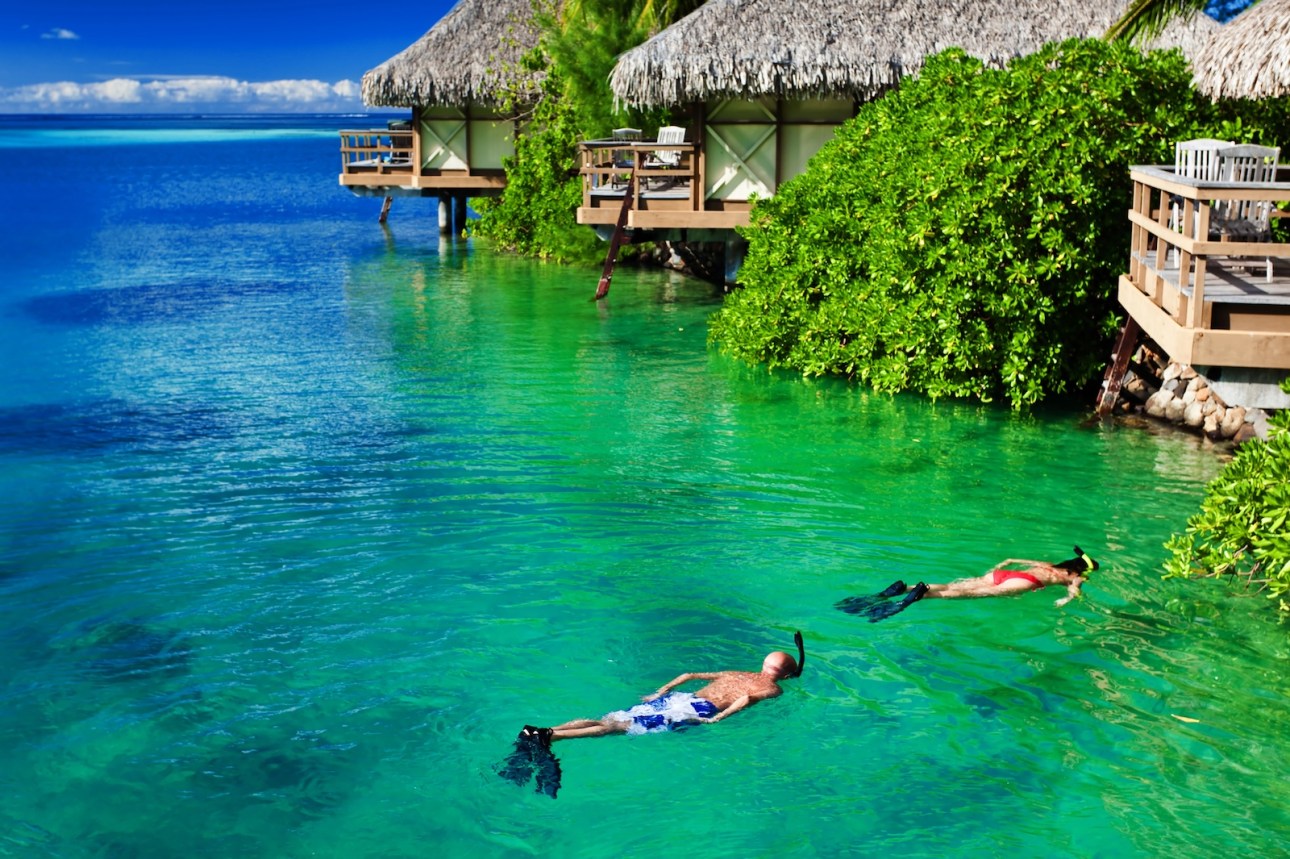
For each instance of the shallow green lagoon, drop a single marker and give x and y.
(301, 520)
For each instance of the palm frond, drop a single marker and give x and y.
(1148, 18)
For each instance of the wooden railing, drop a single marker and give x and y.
(659, 168)
(376, 151)
(1206, 298)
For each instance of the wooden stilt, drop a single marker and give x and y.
(385, 209)
(615, 241)
(459, 214)
(1125, 346)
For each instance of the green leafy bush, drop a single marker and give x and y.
(1240, 530)
(536, 214)
(580, 42)
(962, 236)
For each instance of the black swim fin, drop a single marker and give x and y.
(517, 768)
(862, 605)
(548, 770)
(531, 756)
(882, 611)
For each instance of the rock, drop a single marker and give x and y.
(1173, 386)
(1138, 388)
(1174, 411)
(1157, 402)
(1233, 421)
(1194, 414)
(1244, 434)
(1188, 372)
(1210, 427)
(1213, 395)
(1203, 394)
(1207, 407)
(1171, 372)
(1189, 396)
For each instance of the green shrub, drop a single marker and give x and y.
(962, 236)
(1240, 530)
(536, 214)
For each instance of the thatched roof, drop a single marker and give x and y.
(471, 55)
(858, 48)
(1250, 57)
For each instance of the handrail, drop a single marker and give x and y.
(605, 165)
(1159, 235)
(375, 150)
(1164, 177)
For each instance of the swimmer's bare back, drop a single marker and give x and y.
(729, 686)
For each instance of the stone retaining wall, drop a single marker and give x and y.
(1183, 397)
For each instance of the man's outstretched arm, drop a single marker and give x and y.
(681, 678)
(739, 704)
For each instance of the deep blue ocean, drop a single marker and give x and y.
(302, 517)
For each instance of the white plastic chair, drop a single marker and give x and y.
(1194, 159)
(625, 158)
(1246, 220)
(667, 158)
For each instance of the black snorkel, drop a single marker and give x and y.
(801, 653)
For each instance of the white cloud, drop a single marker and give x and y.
(59, 33)
(166, 93)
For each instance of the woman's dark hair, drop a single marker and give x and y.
(1081, 563)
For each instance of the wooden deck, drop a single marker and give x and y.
(665, 197)
(1206, 301)
(381, 162)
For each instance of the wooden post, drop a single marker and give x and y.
(1125, 346)
(699, 183)
(1138, 257)
(385, 209)
(616, 240)
(416, 141)
(1196, 310)
(459, 214)
(1162, 218)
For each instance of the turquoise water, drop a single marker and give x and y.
(301, 519)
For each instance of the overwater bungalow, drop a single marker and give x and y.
(456, 80)
(758, 86)
(1250, 56)
(1205, 281)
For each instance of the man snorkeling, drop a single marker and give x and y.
(725, 693)
(1001, 580)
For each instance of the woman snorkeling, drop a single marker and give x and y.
(1013, 576)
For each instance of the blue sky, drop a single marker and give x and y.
(197, 56)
